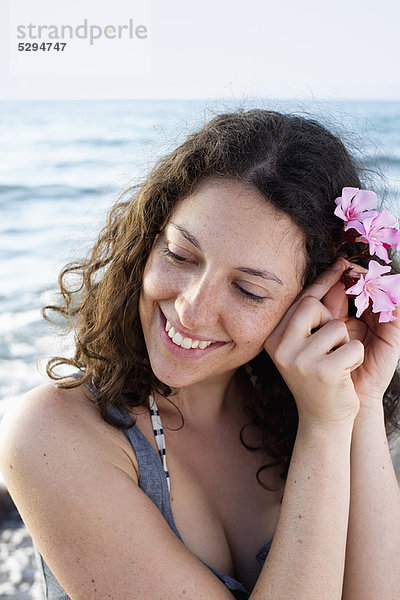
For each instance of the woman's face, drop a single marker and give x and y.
(237, 269)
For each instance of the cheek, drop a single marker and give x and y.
(251, 327)
(255, 329)
(157, 281)
(256, 334)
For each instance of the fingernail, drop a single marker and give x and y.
(337, 266)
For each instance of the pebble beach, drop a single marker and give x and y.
(19, 577)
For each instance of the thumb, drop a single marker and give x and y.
(326, 280)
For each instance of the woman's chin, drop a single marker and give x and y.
(169, 381)
(173, 380)
(177, 379)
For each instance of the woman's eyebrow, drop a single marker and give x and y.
(186, 234)
(269, 275)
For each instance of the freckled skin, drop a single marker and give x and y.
(235, 226)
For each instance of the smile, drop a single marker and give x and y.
(179, 347)
(186, 342)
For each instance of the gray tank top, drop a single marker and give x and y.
(153, 480)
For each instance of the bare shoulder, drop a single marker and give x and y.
(101, 535)
(48, 416)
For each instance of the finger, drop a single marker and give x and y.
(357, 268)
(337, 301)
(310, 314)
(387, 332)
(325, 341)
(317, 290)
(357, 328)
(316, 348)
(349, 356)
(326, 280)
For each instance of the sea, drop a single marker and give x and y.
(63, 165)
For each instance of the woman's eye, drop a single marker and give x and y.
(172, 256)
(181, 259)
(259, 299)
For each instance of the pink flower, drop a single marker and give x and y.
(379, 232)
(383, 291)
(355, 204)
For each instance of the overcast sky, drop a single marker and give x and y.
(253, 48)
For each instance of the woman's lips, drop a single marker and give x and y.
(189, 353)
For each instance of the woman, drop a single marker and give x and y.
(225, 396)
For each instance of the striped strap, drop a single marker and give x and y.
(159, 435)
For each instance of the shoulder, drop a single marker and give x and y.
(67, 473)
(62, 419)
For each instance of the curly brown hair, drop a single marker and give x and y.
(299, 166)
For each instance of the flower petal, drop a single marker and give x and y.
(348, 194)
(381, 301)
(357, 288)
(367, 214)
(379, 250)
(339, 212)
(391, 285)
(384, 219)
(361, 302)
(365, 200)
(375, 270)
(355, 225)
(386, 316)
(390, 236)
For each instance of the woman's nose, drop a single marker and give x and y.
(197, 306)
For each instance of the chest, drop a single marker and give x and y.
(222, 513)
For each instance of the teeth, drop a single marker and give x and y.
(187, 342)
(177, 339)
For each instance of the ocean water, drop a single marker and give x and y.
(62, 166)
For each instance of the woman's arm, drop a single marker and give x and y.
(314, 518)
(372, 567)
(306, 560)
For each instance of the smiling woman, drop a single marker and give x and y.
(226, 404)
(194, 278)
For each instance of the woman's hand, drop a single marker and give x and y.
(317, 366)
(381, 343)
